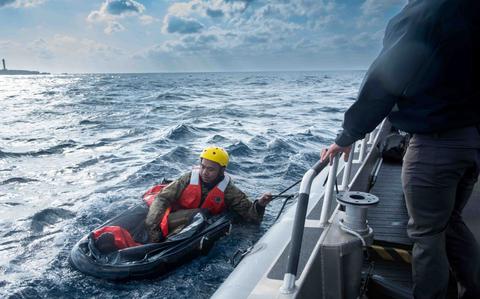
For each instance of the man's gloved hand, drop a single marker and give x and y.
(333, 150)
(265, 199)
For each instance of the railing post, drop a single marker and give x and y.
(363, 149)
(348, 169)
(298, 225)
(372, 136)
(328, 196)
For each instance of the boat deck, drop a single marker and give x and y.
(389, 221)
(389, 218)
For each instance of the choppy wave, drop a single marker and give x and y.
(280, 146)
(181, 132)
(218, 139)
(239, 149)
(48, 217)
(155, 171)
(89, 122)
(19, 180)
(76, 150)
(173, 97)
(56, 149)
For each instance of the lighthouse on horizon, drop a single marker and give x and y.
(4, 71)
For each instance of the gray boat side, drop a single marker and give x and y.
(260, 274)
(250, 278)
(328, 265)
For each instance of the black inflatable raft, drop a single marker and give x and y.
(150, 259)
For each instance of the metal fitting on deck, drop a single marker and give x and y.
(356, 205)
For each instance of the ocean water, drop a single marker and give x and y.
(76, 150)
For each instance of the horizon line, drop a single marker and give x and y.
(200, 72)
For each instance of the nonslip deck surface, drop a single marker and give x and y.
(395, 277)
(389, 222)
(389, 218)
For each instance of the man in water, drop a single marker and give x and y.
(206, 187)
(426, 80)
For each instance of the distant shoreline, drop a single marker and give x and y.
(21, 72)
(25, 72)
(205, 72)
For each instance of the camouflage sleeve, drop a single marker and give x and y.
(237, 201)
(162, 201)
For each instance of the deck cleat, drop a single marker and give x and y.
(355, 220)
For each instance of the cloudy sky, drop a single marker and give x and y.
(195, 35)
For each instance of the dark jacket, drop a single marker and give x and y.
(427, 77)
(235, 200)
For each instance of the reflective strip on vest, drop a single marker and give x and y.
(195, 176)
(224, 183)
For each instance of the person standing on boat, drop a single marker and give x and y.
(205, 187)
(426, 80)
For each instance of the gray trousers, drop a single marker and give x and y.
(438, 175)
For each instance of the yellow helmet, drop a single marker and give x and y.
(215, 154)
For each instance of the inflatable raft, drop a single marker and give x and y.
(131, 256)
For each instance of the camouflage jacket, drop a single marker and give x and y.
(235, 200)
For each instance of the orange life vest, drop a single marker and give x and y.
(150, 195)
(192, 196)
(122, 237)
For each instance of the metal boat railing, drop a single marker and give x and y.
(329, 192)
(348, 169)
(288, 285)
(298, 226)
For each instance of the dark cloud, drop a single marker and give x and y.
(215, 13)
(254, 39)
(195, 44)
(208, 38)
(174, 24)
(222, 8)
(198, 44)
(118, 7)
(6, 2)
(111, 11)
(246, 2)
